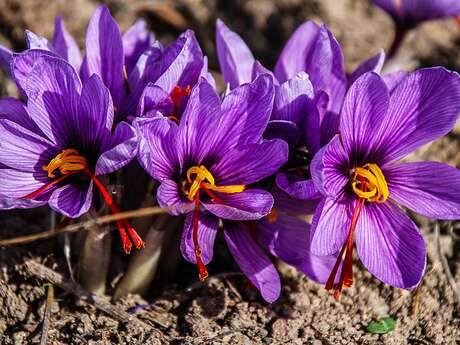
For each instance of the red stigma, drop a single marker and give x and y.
(176, 95)
(346, 277)
(122, 224)
(202, 271)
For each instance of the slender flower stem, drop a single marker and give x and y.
(400, 34)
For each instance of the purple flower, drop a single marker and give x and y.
(407, 14)
(410, 13)
(208, 163)
(58, 146)
(308, 94)
(363, 184)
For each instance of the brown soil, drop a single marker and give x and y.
(226, 309)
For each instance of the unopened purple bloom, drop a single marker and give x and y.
(310, 84)
(409, 13)
(207, 163)
(363, 184)
(56, 147)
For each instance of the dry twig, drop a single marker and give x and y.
(87, 225)
(55, 278)
(46, 316)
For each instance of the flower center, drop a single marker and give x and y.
(67, 162)
(200, 178)
(70, 162)
(176, 95)
(371, 177)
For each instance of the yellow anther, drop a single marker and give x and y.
(376, 185)
(68, 161)
(203, 175)
(272, 217)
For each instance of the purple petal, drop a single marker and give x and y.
(289, 239)
(10, 204)
(252, 260)
(181, 64)
(206, 74)
(235, 58)
(52, 88)
(153, 100)
(250, 204)
(207, 231)
(374, 64)
(21, 65)
(292, 98)
(168, 196)
(285, 130)
(198, 127)
(65, 45)
(250, 163)
(104, 53)
(294, 57)
(336, 169)
(157, 147)
(22, 149)
(297, 187)
(136, 40)
(121, 150)
(17, 184)
(285, 203)
(428, 188)
(258, 69)
(34, 41)
(363, 111)
(423, 107)
(245, 113)
(16, 111)
(72, 201)
(93, 122)
(417, 11)
(6, 57)
(390, 245)
(330, 226)
(308, 45)
(393, 79)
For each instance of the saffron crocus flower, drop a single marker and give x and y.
(363, 183)
(308, 94)
(208, 163)
(407, 14)
(61, 143)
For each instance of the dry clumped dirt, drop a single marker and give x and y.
(226, 309)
